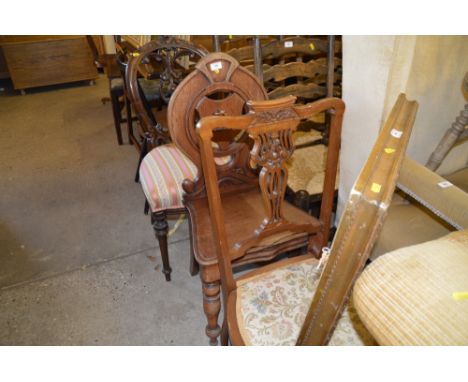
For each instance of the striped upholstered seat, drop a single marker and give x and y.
(410, 296)
(162, 172)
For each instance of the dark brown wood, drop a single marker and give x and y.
(115, 95)
(160, 226)
(47, 60)
(3, 66)
(163, 61)
(269, 226)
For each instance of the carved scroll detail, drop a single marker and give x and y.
(271, 151)
(274, 116)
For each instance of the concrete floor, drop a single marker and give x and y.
(79, 264)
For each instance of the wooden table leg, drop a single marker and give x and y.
(211, 301)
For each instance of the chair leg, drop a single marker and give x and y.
(211, 304)
(143, 152)
(224, 334)
(301, 200)
(194, 267)
(160, 227)
(117, 115)
(128, 108)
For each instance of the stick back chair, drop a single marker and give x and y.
(281, 303)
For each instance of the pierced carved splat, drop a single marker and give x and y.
(167, 60)
(271, 151)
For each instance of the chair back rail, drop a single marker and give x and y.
(166, 54)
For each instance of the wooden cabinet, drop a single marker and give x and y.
(46, 60)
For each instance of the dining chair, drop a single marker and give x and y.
(305, 67)
(238, 181)
(293, 301)
(168, 171)
(420, 202)
(165, 62)
(415, 290)
(417, 294)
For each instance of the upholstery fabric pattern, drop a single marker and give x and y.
(405, 296)
(162, 172)
(271, 307)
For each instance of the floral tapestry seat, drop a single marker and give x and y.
(271, 306)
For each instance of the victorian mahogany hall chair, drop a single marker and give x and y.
(239, 181)
(216, 86)
(289, 302)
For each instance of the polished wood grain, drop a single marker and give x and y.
(207, 91)
(220, 86)
(259, 223)
(245, 236)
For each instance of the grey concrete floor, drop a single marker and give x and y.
(79, 264)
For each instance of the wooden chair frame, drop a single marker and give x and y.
(277, 112)
(361, 221)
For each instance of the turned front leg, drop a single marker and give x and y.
(212, 307)
(161, 228)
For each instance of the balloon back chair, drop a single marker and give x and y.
(164, 169)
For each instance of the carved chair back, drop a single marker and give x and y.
(217, 86)
(270, 125)
(168, 60)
